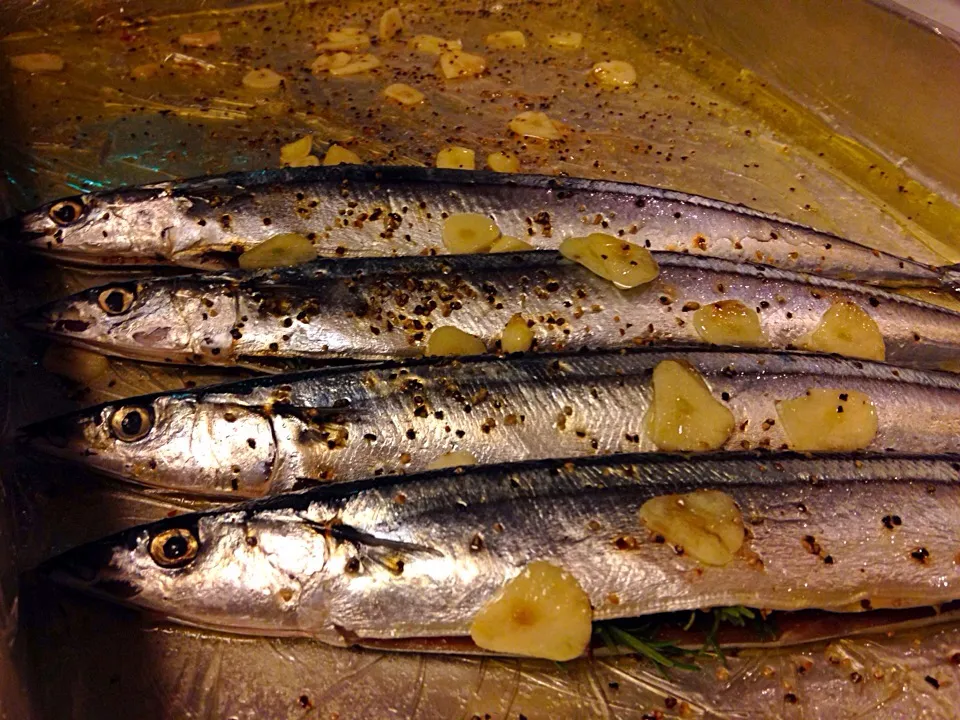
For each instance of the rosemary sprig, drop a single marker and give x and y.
(665, 655)
(661, 653)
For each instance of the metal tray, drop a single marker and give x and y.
(838, 115)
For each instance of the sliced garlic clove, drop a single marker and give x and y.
(517, 335)
(452, 459)
(847, 329)
(404, 94)
(433, 45)
(707, 524)
(200, 39)
(535, 124)
(345, 39)
(337, 155)
(506, 40)
(458, 64)
(566, 40)
(145, 71)
(469, 233)
(543, 612)
(391, 24)
(457, 158)
(684, 415)
(614, 74)
(262, 80)
(503, 162)
(448, 340)
(729, 322)
(508, 243)
(308, 161)
(829, 420)
(296, 150)
(624, 264)
(359, 64)
(37, 62)
(279, 251)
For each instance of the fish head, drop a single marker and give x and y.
(162, 320)
(241, 571)
(177, 442)
(127, 227)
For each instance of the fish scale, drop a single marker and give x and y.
(381, 559)
(343, 424)
(386, 308)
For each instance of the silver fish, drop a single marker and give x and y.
(365, 211)
(417, 557)
(263, 436)
(386, 308)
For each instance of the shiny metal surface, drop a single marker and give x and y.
(701, 120)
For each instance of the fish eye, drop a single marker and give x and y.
(174, 548)
(116, 300)
(131, 423)
(66, 212)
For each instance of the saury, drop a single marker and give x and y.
(420, 556)
(264, 436)
(388, 308)
(366, 211)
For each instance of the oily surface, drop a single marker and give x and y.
(91, 126)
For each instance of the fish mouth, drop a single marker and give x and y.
(50, 437)
(86, 568)
(14, 231)
(79, 258)
(49, 321)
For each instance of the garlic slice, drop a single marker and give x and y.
(729, 322)
(517, 335)
(508, 243)
(827, 419)
(469, 233)
(503, 162)
(449, 340)
(543, 612)
(624, 264)
(684, 415)
(707, 524)
(535, 124)
(847, 329)
(457, 158)
(279, 251)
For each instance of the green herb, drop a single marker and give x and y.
(664, 655)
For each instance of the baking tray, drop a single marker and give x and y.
(838, 115)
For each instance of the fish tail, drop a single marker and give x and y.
(950, 277)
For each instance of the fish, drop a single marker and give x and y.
(266, 435)
(418, 557)
(352, 211)
(371, 309)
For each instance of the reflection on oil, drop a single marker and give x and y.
(136, 103)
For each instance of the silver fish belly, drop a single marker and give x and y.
(387, 308)
(274, 434)
(358, 211)
(419, 556)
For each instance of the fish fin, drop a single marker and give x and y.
(359, 537)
